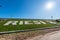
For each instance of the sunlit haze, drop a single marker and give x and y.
(50, 5)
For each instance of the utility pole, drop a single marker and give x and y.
(51, 17)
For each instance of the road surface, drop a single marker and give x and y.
(50, 36)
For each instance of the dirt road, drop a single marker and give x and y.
(50, 36)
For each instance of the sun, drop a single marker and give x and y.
(49, 5)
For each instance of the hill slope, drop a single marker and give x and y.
(23, 24)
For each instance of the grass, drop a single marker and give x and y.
(22, 27)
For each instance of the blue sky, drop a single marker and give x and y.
(33, 9)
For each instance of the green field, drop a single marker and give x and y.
(24, 26)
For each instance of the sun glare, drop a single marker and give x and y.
(49, 5)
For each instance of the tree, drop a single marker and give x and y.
(57, 20)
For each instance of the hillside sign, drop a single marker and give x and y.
(27, 22)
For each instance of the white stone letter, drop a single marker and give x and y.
(42, 22)
(36, 22)
(28, 22)
(21, 23)
(11, 22)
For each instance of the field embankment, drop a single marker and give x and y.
(26, 35)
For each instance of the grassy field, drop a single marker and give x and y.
(23, 27)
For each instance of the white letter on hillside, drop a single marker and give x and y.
(36, 22)
(28, 22)
(21, 23)
(11, 22)
(42, 22)
(52, 22)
